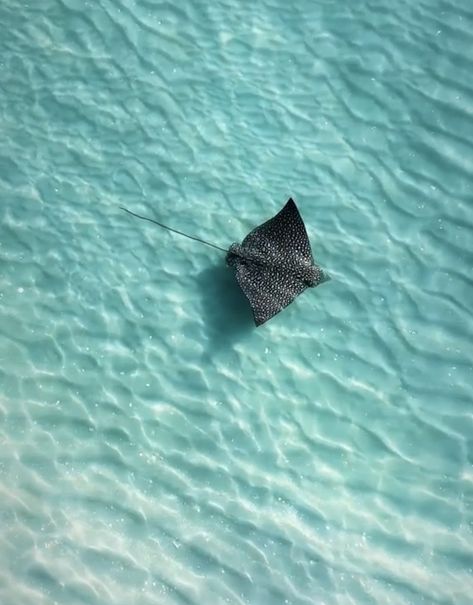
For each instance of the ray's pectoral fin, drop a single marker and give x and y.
(268, 291)
(283, 236)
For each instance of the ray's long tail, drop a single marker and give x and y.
(151, 220)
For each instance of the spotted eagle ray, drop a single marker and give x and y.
(273, 264)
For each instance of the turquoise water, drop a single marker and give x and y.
(155, 447)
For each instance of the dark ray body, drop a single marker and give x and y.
(274, 263)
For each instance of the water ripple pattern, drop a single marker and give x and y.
(154, 447)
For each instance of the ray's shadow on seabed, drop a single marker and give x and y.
(226, 312)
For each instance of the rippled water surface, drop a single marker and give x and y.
(155, 448)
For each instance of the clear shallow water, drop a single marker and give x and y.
(155, 448)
